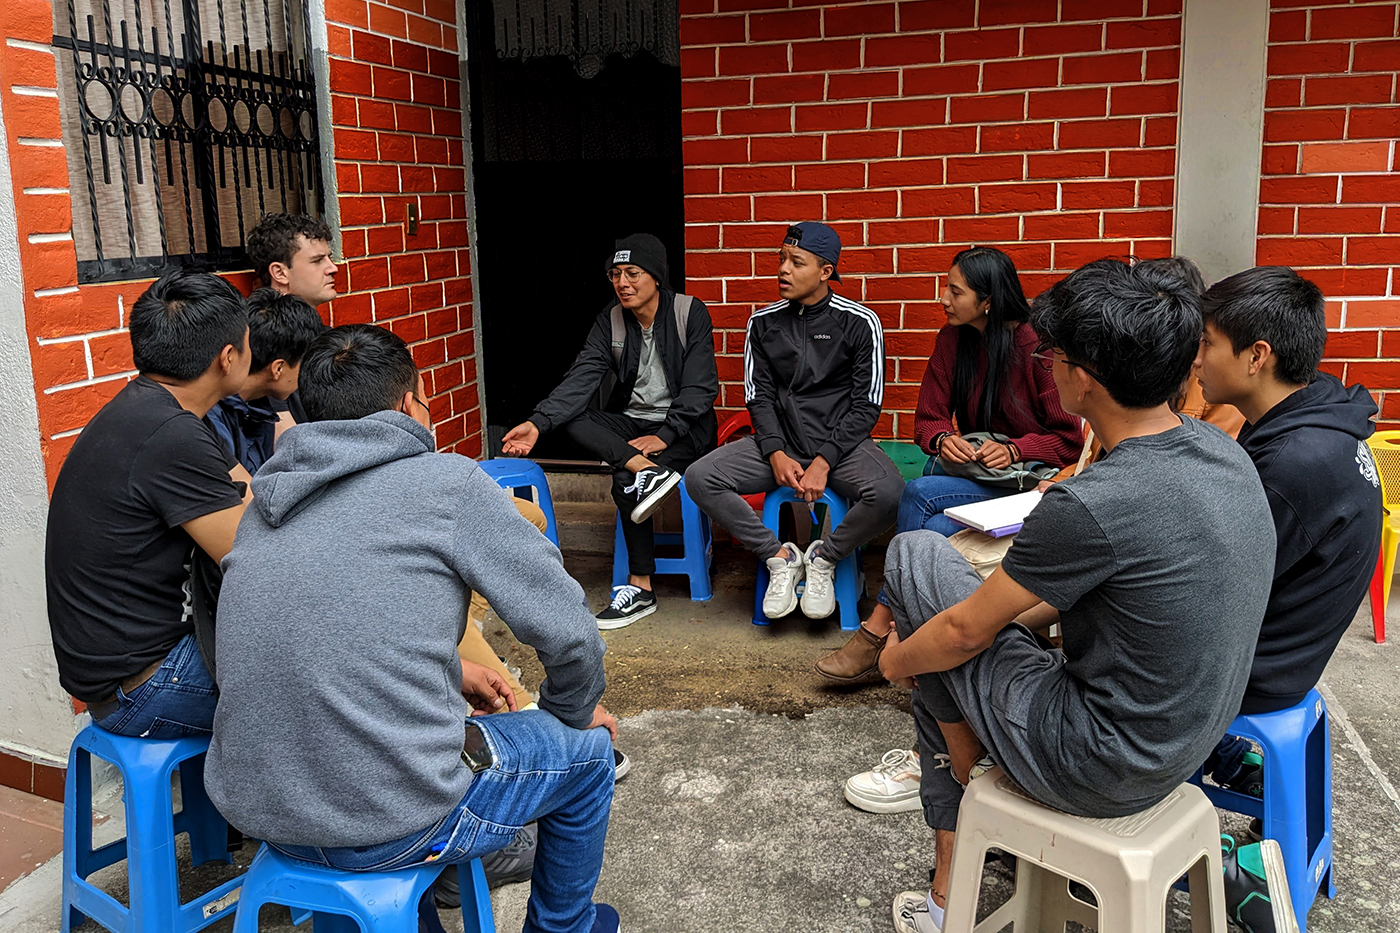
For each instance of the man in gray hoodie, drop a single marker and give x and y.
(339, 735)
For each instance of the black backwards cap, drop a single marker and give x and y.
(819, 240)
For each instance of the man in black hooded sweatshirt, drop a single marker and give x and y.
(1265, 331)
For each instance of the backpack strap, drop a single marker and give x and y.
(619, 334)
(682, 308)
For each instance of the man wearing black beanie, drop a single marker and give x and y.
(658, 348)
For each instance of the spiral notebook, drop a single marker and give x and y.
(996, 517)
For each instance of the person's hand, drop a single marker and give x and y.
(786, 471)
(994, 456)
(1044, 485)
(892, 641)
(956, 450)
(601, 717)
(520, 439)
(486, 690)
(648, 444)
(814, 480)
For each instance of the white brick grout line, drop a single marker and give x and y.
(1339, 715)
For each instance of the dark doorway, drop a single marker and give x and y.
(576, 143)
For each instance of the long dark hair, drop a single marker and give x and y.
(990, 273)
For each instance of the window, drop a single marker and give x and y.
(184, 122)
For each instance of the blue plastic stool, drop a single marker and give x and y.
(149, 846)
(351, 901)
(848, 575)
(1297, 805)
(512, 473)
(694, 538)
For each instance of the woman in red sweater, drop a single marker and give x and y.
(981, 377)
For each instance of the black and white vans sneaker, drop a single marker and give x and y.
(629, 603)
(652, 487)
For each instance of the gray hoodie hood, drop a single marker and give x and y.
(311, 456)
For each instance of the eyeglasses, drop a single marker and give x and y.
(1047, 363)
(630, 277)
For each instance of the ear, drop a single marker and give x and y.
(1083, 382)
(226, 357)
(1260, 355)
(985, 305)
(828, 270)
(280, 273)
(276, 368)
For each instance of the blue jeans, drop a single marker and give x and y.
(178, 701)
(926, 498)
(541, 770)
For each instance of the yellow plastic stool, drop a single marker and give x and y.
(1130, 863)
(1385, 451)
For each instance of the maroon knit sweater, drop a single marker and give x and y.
(1031, 414)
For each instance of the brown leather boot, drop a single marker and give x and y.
(858, 659)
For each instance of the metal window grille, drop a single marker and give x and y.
(184, 123)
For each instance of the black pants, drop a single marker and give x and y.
(606, 436)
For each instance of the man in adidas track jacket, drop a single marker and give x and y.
(814, 377)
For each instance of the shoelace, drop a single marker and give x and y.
(624, 595)
(818, 582)
(898, 759)
(780, 583)
(639, 481)
(981, 767)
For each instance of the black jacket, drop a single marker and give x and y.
(1324, 491)
(814, 378)
(689, 364)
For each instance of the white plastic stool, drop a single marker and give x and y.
(1130, 863)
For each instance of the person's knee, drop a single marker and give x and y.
(912, 549)
(887, 492)
(700, 479)
(532, 513)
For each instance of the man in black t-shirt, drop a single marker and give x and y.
(1155, 561)
(146, 483)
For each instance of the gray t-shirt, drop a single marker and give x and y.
(1159, 558)
(651, 396)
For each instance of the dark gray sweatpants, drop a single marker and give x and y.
(718, 481)
(993, 692)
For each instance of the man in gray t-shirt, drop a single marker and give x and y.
(1156, 562)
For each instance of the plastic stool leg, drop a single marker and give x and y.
(150, 839)
(620, 572)
(695, 535)
(847, 594)
(760, 588)
(77, 832)
(1378, 598)
(206, 827)
(471, 880)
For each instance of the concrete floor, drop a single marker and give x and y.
(732, 818)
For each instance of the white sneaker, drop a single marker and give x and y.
(819, 596)
(892, 786)
(783, 577)
(911, 913)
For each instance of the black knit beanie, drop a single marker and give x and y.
(641, 249)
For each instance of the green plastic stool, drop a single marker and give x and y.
(906, 456)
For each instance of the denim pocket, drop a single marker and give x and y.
(167, 730)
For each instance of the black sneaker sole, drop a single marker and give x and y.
(654, 499)
(608, 625)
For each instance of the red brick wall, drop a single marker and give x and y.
(396, 107)
(1046, 127)
(1330, 195)
(407, 110)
